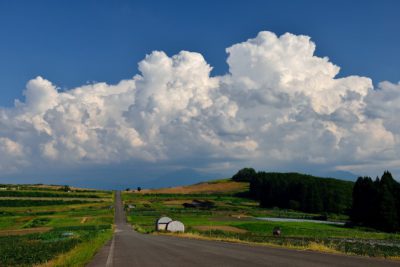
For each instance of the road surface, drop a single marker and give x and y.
(129, 248)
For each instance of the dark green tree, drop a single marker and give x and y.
(388, 216)
(377, 203)
(66, 188)
(365, 205)
(244, 175)
(301, 192)
(388, 219)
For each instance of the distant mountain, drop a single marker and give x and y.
(343, 175)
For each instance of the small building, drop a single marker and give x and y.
(175, 226)
(161, 223)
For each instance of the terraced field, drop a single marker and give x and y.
(230, 217)
(52, 225)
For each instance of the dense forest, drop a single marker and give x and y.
(372, 203)
(298, 191)
(377, 203)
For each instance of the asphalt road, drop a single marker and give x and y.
(129, 248)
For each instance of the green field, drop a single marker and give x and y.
(233, 218)
(49, 226)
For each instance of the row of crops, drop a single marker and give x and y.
(31, 249)
(32, 202)
(15, 193)
(50, 226)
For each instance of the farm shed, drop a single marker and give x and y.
(161, 223)
(175, 226)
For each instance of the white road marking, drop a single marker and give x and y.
(111, 254)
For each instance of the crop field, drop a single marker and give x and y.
(233, 218)
(52, 225)
(214, 187)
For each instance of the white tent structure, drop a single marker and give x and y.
(175, 226)
(161, 223)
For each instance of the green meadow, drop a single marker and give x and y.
(52, 225)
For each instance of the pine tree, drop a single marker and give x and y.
(387, 210)
(244, 175)
(388, 216)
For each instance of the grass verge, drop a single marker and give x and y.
(312, 246)
(82, 253)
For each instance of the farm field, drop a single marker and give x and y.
(52, 225)
(233, 218)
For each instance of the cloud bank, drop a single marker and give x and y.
(279, 105)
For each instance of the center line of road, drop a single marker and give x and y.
(111, 254)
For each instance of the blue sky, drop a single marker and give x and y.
(271, 100)
(74, 42)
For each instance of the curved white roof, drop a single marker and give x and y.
(175, 226)
(164, 220)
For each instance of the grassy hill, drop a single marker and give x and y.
(224, 186)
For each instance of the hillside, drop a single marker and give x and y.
(212, 187)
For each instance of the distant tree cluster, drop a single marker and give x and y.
(65, 188)
(377, 203)
(301, 192)
(244, 175)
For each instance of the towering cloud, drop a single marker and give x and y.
(278, 105)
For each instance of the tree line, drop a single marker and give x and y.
(298, 191)
(368, 202)
(376, 203)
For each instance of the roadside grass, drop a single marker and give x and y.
(82, 253)
(232, 212)
(315, 230)
(313, 246)
(25, 250)
(225, 228)
(43, 229)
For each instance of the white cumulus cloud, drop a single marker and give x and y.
(280, 104)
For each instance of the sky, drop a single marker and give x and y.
(154, 93)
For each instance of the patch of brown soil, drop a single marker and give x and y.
(225, 228)
(25, 231)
